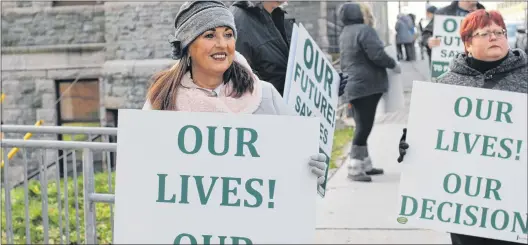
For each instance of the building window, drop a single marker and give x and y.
(79, 101)
(74, 3)
(78, 106)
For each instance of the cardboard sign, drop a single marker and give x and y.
(312, 86)
(214, 178)
(447, 29)
(466, 169)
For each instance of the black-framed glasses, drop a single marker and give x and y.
(487, 34)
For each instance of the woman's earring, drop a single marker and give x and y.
(188, 61)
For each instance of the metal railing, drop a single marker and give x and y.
(35, 211)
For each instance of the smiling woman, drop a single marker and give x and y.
(210, 76)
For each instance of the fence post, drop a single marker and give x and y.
(89, 206)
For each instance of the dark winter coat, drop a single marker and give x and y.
(511, 75)
(264, 39)
(363, 56)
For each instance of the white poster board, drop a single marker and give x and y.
(447, 29)
(256, 189)
(463, 174)
(312, 86)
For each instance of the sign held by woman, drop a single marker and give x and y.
(467, 170)
(214, 178)
(312, 86)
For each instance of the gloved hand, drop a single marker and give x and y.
(397, 68)
(317, 164)
(403, 146)
(342, 83)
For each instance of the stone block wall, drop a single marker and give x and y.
(139, 30)
(126, 81)
(52, 25)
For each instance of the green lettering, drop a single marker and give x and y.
(494, 219)
(479, 109)
(161, 190)
(211, 142)
(440, 211)
(308, 59)
(426, 208)
(404, 206)
(236, 240)
(446, 183)
(471, 215)
(457, 106)
(226, 190)
(184, 189)
(501, 112)
(450, 28)
(488, 145)
(495, 190)
(250, 190)
(249, 143)
(506, 148)
(178, 239)
(200, 187)
(181, 139)
(518, 219)
(439, 141)
(329, 80)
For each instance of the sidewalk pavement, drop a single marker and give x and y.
(365, 213)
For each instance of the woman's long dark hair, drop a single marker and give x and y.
(162, 91)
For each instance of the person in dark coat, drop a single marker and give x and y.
(264, 39)
(487, 63)
(364, 59)
(456, 8)
(429, 15)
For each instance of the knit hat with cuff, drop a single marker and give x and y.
(195, 18)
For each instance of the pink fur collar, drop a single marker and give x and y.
(192, 98)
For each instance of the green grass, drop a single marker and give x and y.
(341, 138)
(35, 212)
(79, 137)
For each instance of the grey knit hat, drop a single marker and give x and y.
(195, 18)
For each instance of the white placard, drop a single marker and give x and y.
(466, 169)
(256, 189)
(447, 28)
(312, 86)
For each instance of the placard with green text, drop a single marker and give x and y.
(447, 29)
(311, 88)
(465, 171)
(214, 178)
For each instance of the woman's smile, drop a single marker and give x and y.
(220, 56)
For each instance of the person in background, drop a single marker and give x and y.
(414, 32)
(456, 8)
(364, 59)
(429, 15)
(210, 77)
(264, 39)
(487, 63)
(404, 37)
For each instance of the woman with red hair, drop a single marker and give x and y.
(488, 62)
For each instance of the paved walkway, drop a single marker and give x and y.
(365, 213)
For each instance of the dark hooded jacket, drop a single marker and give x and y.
(264, 39)
(510, 75)
(363, 56)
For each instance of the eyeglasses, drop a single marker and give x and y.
(498, 34)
